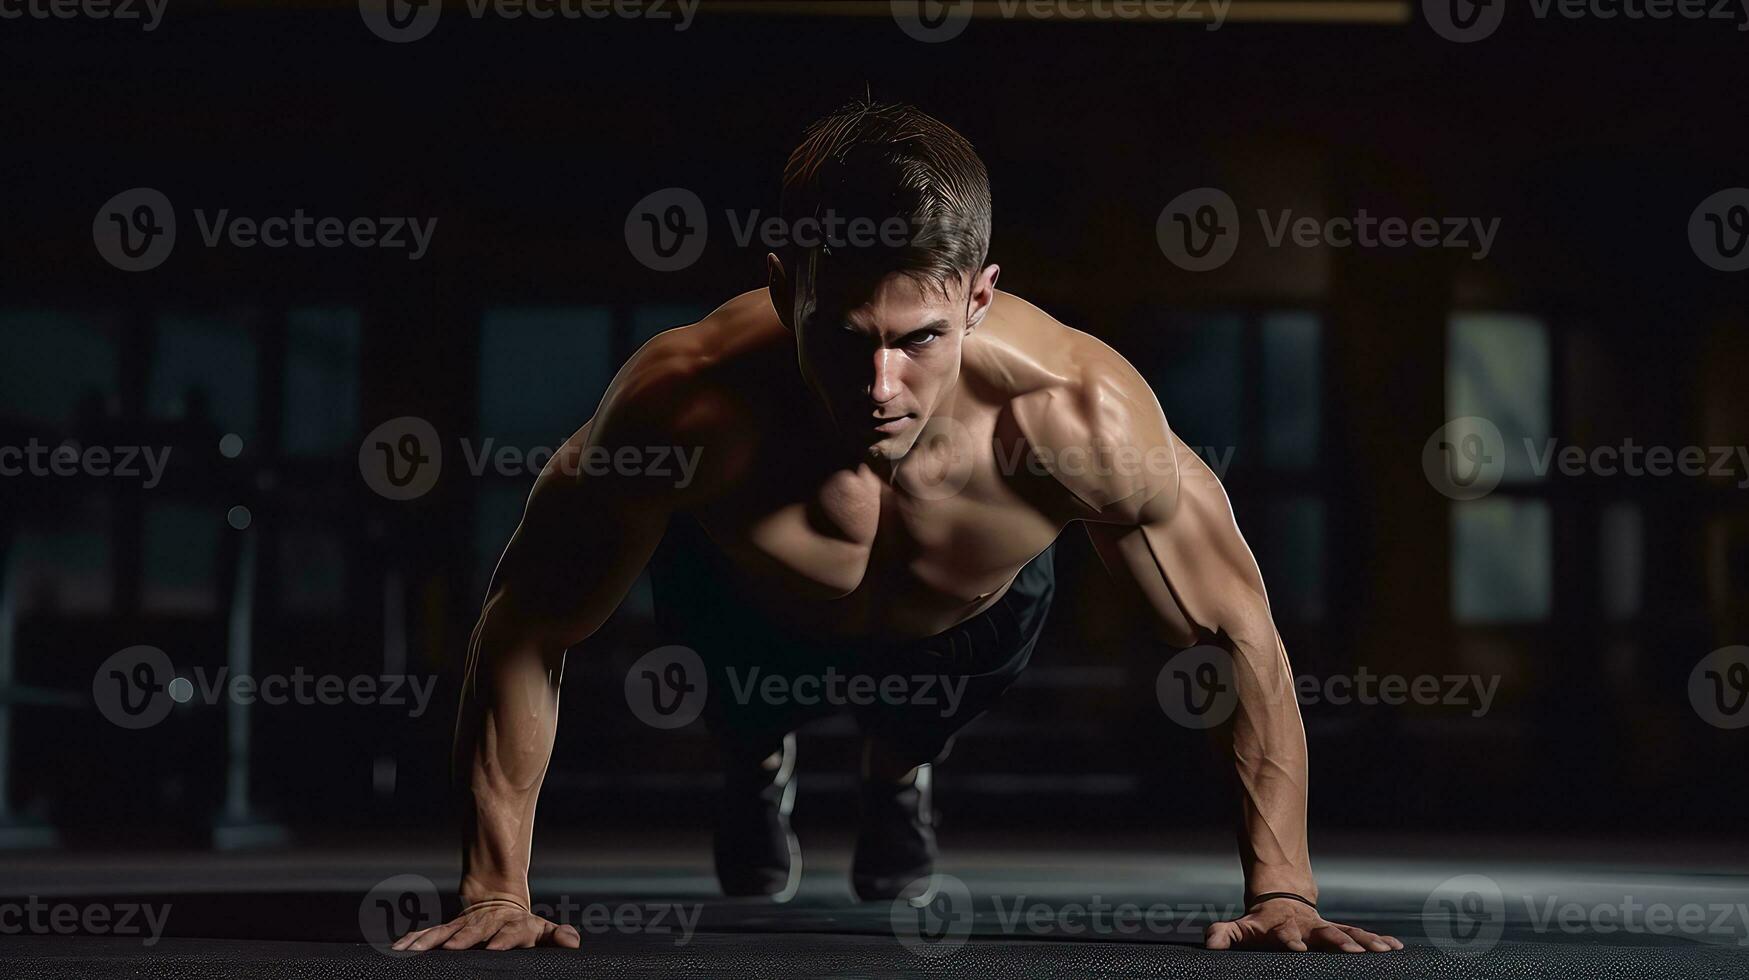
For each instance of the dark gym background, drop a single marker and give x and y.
(1323, 372)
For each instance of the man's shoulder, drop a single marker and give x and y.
(690, 378)
(1031, 359)
(1084, 411)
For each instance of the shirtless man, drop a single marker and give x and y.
(889, 448)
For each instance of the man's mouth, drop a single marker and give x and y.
(889, 424)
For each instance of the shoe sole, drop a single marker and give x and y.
(786, 773)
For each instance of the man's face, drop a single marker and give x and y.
(882, 361)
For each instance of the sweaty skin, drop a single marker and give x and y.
(877, 463)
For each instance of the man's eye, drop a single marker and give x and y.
(920, 339)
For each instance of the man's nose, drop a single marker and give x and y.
(885, 386)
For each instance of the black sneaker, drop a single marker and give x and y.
(756, 852)
(895, 849)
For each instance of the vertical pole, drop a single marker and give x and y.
(239, 658)
(394, 663)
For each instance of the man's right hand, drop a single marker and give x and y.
(494, 925)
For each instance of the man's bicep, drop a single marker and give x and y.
(1195, 541)
(1183, 551)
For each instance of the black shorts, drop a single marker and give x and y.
(764, 682)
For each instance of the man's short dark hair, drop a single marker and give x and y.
(879, 162)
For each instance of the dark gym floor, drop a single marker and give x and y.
(1029, 907)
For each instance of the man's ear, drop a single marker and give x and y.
(981, 295)
(782, 294)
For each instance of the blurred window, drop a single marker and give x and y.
(1498, 368)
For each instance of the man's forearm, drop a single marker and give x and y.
(1268, 746)
(505, 733)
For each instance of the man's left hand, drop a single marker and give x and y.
(1282, 924)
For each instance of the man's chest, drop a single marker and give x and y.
(913, 552)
